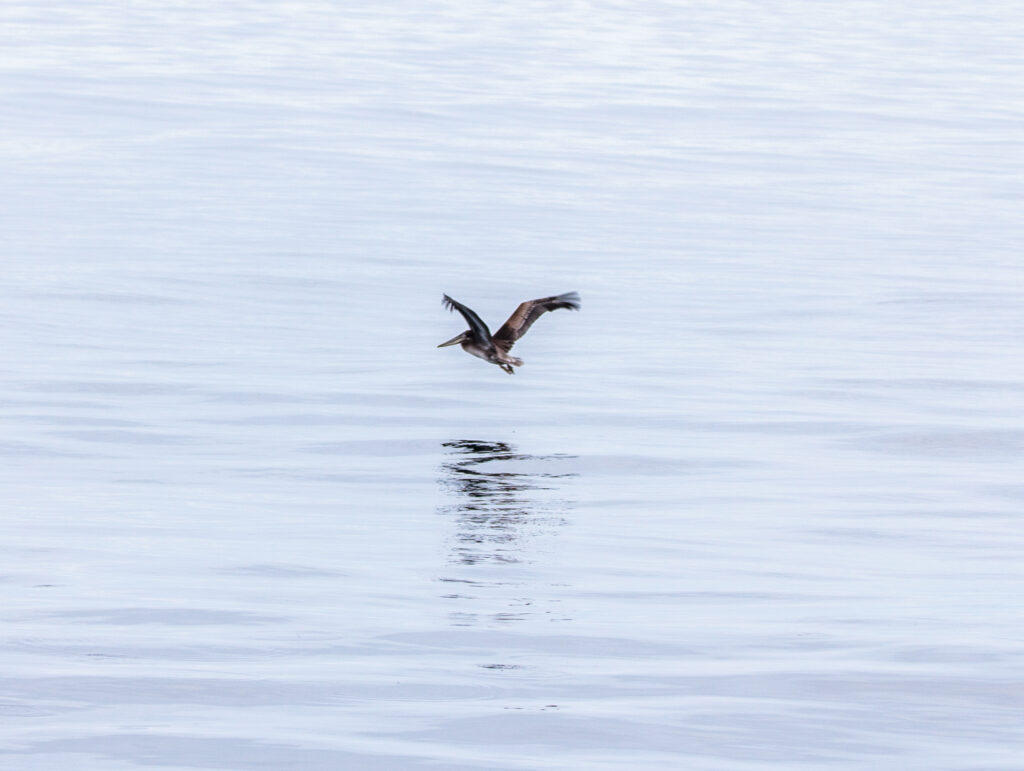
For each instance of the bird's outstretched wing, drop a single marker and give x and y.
(528, 312)
(476, 326)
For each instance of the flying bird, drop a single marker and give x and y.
(479, 341)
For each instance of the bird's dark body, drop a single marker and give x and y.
(478, 340)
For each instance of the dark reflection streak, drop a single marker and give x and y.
(496, 502)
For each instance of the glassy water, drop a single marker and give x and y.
(756, 506)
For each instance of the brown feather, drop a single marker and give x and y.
(527, 313)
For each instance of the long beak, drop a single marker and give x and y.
(457, 339)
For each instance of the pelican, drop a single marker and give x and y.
(479, 341)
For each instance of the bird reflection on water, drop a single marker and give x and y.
(507, 502)
(504, 497)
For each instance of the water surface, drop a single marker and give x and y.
(755, 507)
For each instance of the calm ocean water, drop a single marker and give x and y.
(758, 506)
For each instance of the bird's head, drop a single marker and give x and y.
(459, 338)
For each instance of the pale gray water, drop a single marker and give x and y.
(757, 506)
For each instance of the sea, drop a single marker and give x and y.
(757, 506)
